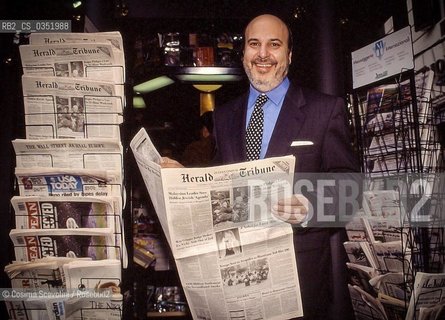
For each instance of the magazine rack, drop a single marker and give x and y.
(398, 144)
(395, 131)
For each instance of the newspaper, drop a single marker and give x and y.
(234, 259)
(393, 285)
(56, 308)
(433, 313)
(59, 182)
(428, 292)
(66, 288)
(365, 305)
(40, 274)
(57, 107)
(91, 60)
(105, 154)
(112, 37)
(26, 310)
(96, 243)
(67, 212)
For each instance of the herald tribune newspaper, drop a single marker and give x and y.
(57, 107)
(94, 60)
(234, 259)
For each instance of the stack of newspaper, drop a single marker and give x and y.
(68, 237)
(385, 257)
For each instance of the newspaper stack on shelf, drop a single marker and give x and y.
(70, 280)
(228, 248)
(380, 254)
(68, 232)
(59, 107)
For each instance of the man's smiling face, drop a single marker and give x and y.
(266, 54)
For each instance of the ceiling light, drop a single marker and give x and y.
(138, 102)
(153, 84)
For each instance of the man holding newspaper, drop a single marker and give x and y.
(297, 121)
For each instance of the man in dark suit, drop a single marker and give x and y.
(310, 125)
(313, 127)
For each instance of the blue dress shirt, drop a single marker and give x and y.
(271, 110)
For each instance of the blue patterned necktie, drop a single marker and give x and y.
(254, 134)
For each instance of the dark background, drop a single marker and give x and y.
(325, 33)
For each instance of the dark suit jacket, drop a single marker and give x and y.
(305, 115)
(310, 116)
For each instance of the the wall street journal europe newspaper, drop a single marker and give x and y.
(105, 154)
(235, 260)
(57, 107)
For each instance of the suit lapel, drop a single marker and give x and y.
(289, 122)
(239, 126)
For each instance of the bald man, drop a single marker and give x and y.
(293, 113)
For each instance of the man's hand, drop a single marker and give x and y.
(170, 163)
(293, 210)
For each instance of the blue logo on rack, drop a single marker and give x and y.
(379, 49)
(63, 183)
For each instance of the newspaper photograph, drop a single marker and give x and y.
(77, 60)
(112, 37)
(226, 243)
(96, 243)
(57, 107)
(103, 154)
(58, 182)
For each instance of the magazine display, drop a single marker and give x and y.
(76, 60)
(58, 182)
(234, 259)
(59, 107)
